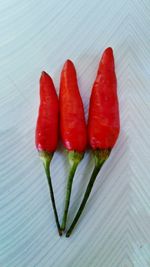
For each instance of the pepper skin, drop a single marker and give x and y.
(103, 122)
(72, 120)
(47, 123)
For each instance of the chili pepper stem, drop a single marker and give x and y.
(68, 195)
(100, 157)
(46, 159)
(74, 159)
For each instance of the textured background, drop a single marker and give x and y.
(115, 228)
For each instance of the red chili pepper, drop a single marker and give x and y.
(103, 122)
(72, 125)
(46, 138)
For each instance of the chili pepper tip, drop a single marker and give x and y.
(44, 73)
(68, 64)
(109, 49)
(107, 59)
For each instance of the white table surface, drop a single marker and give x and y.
(114, 230)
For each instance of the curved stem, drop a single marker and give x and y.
(68, 195)
(53, 200)
(85, 198)
(74, 159)
(100, 157)
(46, 158)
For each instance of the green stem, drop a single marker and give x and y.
(46, 159)
(74, 159)
(85, 198)
(68, 195)
(100, 158)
